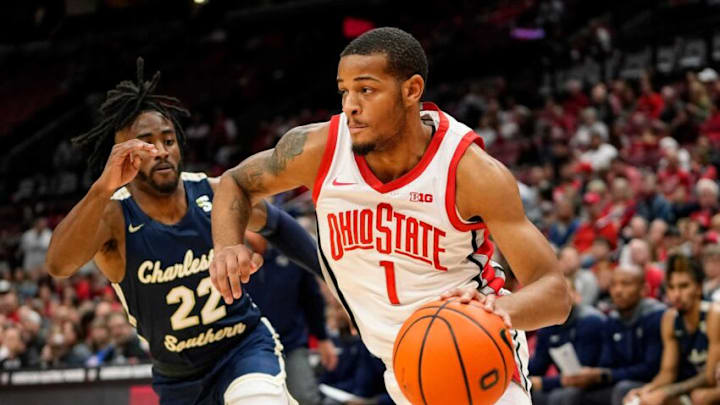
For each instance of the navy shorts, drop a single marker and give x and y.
(259, 352)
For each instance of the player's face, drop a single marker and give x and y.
(625, 289)
(682, 291)
(372, 101)
(162, 172)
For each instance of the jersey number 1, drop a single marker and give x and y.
(390, 281)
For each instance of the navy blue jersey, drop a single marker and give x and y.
(167, 290)
(693, 347)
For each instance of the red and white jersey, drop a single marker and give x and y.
(389, 248)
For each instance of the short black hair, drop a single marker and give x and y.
(405, 55)
(123, 104)
(680, 263)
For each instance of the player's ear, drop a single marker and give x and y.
(412, 90)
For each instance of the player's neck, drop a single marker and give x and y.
(401, 156)
(164, 208)
(691, 317)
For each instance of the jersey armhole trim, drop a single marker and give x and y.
(327, 157)
(450, 207)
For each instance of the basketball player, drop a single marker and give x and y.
(685, 338)
(405, 199)
(147, 225)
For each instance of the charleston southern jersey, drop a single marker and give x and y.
(389, 248)
(167, 290)
(693, 346)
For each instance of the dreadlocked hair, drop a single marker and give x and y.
(122, 105)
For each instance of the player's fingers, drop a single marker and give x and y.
(234, 271)
(246, 268)
(466, 297)
(450, 293)
(489, 304)
(506, 318)
(222, 280)
(256, 261)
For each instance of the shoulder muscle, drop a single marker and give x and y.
(486, 188)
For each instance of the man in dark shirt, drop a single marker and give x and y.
(631, 343)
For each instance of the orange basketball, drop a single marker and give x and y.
(453, 353)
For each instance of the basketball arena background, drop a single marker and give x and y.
(540, 80)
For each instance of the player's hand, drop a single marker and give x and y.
(328, 354)
(636, 393)
(587, 377)
(124, 163)
(231, 266)
(467, 294)
(654, 397)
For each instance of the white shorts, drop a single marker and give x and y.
(516, 394)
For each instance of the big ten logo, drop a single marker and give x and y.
(421, 197)
(204, 203)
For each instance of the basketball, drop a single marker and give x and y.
(452, 353)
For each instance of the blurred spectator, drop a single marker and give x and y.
(126, 342)
(631, 343)
(13, 349)
(9, 302)
(640, 258)
(711, 266)
(100, 343)
(34, 245)
(622, 206)
(637, 229)
(651, 204)
(649, 102)
(595, 225)
(684, 336)
(590, 126)
(564, 223)
(674, 181)
(63, 347)
(31, 324)
(705, 207)
(584, 282)
(599, 154)
(25, 284)
(581, 332)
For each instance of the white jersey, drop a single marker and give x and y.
(389, 248)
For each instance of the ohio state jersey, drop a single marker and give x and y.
(389, 248)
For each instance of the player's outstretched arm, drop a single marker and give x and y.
(88, 226)
(293, 162)
(486, 188)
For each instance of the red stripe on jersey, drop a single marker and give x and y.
(327, 157)
(416, 171)
(469, 138)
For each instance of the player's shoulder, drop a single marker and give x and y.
(669, 316)
(484, 183)
(713, 309)
(309, 139)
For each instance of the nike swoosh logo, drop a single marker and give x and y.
(339, 183)
(134, 229)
